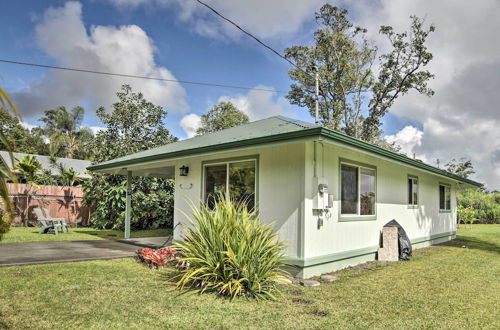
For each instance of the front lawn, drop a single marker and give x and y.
(446, 286)
(30, 234)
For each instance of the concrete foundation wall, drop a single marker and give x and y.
(337, 263)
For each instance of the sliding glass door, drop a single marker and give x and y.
(236, 178)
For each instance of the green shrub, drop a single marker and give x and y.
(466, 215)
(229, 251)
(5, 221)
(485, 204)
(152, 202)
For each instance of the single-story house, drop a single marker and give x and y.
(328, 194)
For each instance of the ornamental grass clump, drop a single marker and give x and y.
(229, 251)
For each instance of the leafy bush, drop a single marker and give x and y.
(134, 125)
(486, 205)
(466, 215)
(229, 251)
(155, 258)
(152, 202)
(4, 223)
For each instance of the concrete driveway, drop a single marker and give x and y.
(32, 253)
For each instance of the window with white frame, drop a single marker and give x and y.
(444, 197)
(236, 178)
(357, 190)
(412, 190)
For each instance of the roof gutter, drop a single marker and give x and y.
(393, 155)
(216, 147)
(311, 132)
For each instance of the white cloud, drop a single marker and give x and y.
(61, 33)
(96, 129)
(255, 104)
(462, 118)
(408, 138)
(190, 123)
(264, 18)
(258, 105)
(28, 126)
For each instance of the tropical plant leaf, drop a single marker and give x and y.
(5, 169)
(230, 252)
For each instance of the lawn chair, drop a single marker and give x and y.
(61, 221)
(46, 223)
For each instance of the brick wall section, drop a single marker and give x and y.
(62, 202)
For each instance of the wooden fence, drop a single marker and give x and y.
(62, 202)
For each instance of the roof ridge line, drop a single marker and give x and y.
(294, 121)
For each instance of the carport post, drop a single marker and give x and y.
(128, 204)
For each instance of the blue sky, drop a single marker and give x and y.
(188, 55)
(179, 39)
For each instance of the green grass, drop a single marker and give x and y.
(30, 234)
(445, 286)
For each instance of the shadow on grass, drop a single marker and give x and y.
(472, 243)
(169, 276)
(118, 234)
(104, 234)
(3, 324)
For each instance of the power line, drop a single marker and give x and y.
(140, 77)
(316, 76)
(247, 33)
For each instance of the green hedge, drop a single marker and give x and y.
(486, 205)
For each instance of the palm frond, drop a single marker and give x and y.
(5, 169)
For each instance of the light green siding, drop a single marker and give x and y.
(280, 185)
(336, 235)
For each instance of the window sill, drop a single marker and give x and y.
(358, 218)
(444, 211)
(413, 206)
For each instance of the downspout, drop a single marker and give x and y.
(315, 158)
(315, 163)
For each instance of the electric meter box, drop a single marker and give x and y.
(320, 190)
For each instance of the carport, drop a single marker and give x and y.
(158, 169)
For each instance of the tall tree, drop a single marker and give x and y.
(462, 167)
(63, 128)
(352, 97)
(223, 115)
(135, 124)
(16, 136)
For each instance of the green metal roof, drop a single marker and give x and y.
(78, 165)
(273, 129)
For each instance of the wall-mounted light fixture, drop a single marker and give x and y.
(183, 170)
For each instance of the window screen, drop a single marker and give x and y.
(215, 182)
(367, 191)
(412, 191)
(444, 197)
(236, 178)
(242, 182)
(349, 189)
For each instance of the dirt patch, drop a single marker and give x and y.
(302, 301)
(320, 313)
(295, 292)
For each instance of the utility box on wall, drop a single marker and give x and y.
(320, 187)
